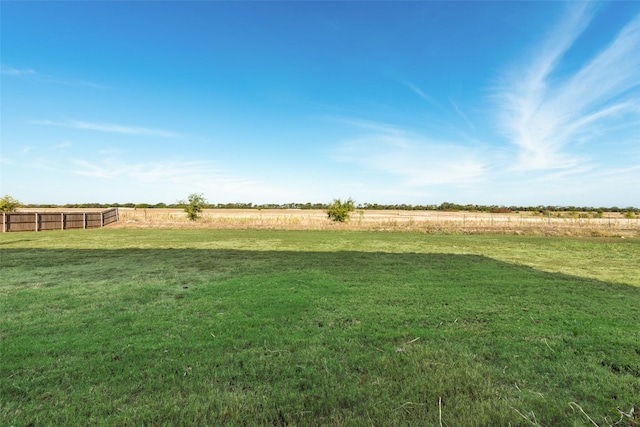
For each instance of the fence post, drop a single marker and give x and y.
(101, 219)
(84, 220)
(4, 222)
(37, 221)
(62, 221)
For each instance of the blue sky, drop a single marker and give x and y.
(507, 103)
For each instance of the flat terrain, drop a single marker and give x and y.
(587, 224)
(271, 327)
(556, 224)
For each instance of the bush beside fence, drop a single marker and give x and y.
(43, 221)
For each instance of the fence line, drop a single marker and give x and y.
(43, 221)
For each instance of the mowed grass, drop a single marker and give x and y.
(223, 327)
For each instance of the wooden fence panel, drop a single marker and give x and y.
(94, 219)
(110, 216)
(51, 221)
(36, 221)
(15, 221)
(74, 220)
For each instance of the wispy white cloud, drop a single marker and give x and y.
(109, 127)
(416, 160)
(462, 114)
(86, 168)
(147, 172)
(368, 125)
(63, 146)
(45, 78)
(16, 72)
(174, 177)
(446, 116)
(415, 89)
(543, 112)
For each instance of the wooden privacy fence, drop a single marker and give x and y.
(42, 221)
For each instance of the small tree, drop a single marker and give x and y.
(193, 206)
(339, 211)
(9, 204)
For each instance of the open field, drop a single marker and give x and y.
(586, 224)
(271, 327)
(557, 224)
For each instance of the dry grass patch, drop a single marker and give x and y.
(432, 222)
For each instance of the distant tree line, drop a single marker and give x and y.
(446, 207)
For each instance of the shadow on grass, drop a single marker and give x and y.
(315, 338)
(12, 242)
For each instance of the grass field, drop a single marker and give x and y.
(260, 327)
(586, 224)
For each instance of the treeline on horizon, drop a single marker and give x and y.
(446, 207)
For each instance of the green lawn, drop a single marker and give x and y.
(205, 327)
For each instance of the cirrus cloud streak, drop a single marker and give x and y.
(110, 128)
(416, 160)
(543, 111)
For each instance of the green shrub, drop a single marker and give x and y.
(9, 204)
(339, 211)
(193, 206)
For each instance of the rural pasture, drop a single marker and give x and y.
(532, 223)
(152, 322)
